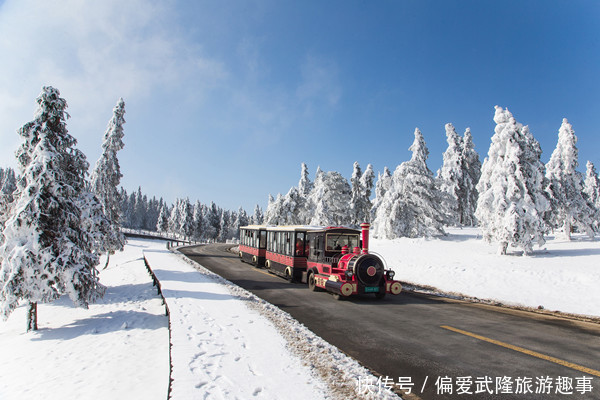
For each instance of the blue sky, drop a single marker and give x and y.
(224, 100)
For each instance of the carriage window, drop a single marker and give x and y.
(300, 244)
(335, 242)
(263, 239)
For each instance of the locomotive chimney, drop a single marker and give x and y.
(365, 237)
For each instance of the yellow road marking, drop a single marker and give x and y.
(525, 351)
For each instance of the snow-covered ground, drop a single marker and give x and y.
(226, 343)
(563, 275)
(116, 349)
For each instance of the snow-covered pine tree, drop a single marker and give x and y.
(316, 194)
(384, 181)
(333, 195)
(224, 225)
(356, 201)
(186, 218)
(258, 216)
(591, 188)
(105, 180)
(410, 206)
(46, 252)
(162, 225)
(451, 176)
(8, 184)
(366, 183)
(511, 202)
(305, 186)
(569, 207)
(241, 219)
(273, 214)
(471, 174)
(290, 210)
(212, 222)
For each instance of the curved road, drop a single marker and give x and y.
(445, 348)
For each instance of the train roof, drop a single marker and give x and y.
(295, 228)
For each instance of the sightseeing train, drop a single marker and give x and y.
(335, 259)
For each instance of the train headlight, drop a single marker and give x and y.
(390, 274)
(348, 273)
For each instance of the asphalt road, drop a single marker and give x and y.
(439, 345)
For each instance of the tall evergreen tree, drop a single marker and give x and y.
(304, 211)
(162, 225)
(511, 202)
(591, 188)
(8, 185)
(451, 176)
(46, 252)
(384, 181)
(333, 194)
(105, 181)
(410, 206)
(258, 216)
(569, 208)
(366, 183)
(471, 174)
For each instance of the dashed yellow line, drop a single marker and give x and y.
(564, 363)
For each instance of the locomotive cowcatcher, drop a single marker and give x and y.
(333, 258)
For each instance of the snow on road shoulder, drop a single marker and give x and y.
(118, 348)
(562, 275)
(228, 343)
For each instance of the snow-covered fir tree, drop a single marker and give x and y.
(291, 208)
(591, 189)
(224, 225)
(258, 216)
(332, 197)
(162, 225)
(46, 253)
(471, 174)
(366, 184)
(410, 206)
(105, 180)
(512, 203)
(242, 219)
(8, 184)
(384, 181)
(451, 176)
(212, 222)
(305, 186)
(569, 207)
(273, 213)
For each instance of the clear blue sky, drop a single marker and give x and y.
(224, 100)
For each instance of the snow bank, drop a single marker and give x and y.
(228, 343)
(562, 276)
(118, 348)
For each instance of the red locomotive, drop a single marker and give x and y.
(332, 258)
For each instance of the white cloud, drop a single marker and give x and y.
(93, 52)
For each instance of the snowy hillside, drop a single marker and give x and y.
(563, 275)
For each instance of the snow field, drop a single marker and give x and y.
(563, 275)
(229, 344)
(118, 348)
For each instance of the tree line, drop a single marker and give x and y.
(514, 197)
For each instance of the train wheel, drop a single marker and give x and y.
(288, 274)
(312, 284)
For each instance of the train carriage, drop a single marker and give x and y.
(253, 244)
(287, 250)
